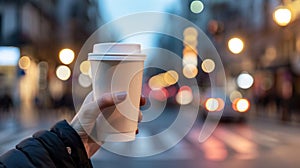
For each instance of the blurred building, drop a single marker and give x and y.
(39, 30)
(270, 54)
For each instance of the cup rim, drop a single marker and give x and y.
(118, 54)
(116, 58)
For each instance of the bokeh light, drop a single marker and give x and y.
(84, 80)
(66, 56)
(221, 103)
(196, 6)
(24, 62)
(208, 65)
(85, 67)
(242, 105)
(190, 59)
(163, 80)
(211, 104)
(63, 72)
(171, 77)
(184, 95)
(159, 94)
(282, 16)
(192, 44)
(190, 71)
(236, 45)
(235, 95)
(245, 80)
(190, 38)
(189, 49)
(157, 82)
(190, 31)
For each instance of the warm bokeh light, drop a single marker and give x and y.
(190, 38)
(190, 71)
(85, 67)
(163, 80)
(196, 6)
(189, 49)
(190, 31)
(236, 45)
(245, 80)
(235, 95)
(24, 62)
(189, 54)
(211, 104)
(171, 77)
(84, 80)
(242, 105)
(66, 56)
(159, 94)
(184, 96)
(221, 103)
(157, 82)
(282, 16)
(190, 59)
(192, 44)
(208, 65)
(63, 72)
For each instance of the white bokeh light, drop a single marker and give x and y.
(84, 80)
(63, 72)
(66, 56)
(245, 80)
(236, 45)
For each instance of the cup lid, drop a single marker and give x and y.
(116, 48)
(96, 57)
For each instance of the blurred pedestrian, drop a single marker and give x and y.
(284, 93)
(65, 145)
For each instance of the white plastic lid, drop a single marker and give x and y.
(120, 48)
(95, 57)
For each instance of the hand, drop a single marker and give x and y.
(86, 118)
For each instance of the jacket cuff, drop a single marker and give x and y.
(73, 143)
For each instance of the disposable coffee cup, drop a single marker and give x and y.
(117, 67)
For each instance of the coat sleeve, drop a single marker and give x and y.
(59, 147)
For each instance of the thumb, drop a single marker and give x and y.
(90, 111)
(108, 99)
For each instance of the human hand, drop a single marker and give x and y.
(86, 118)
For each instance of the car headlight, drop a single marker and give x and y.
(241, 105)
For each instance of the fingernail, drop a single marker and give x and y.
(120, 96)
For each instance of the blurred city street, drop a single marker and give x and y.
(254, 143)
(237, 61)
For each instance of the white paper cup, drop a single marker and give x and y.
(118, 67)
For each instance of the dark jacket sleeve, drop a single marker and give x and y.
(59, 147)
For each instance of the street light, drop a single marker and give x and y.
(236, 45)
(282, 16)
(66, 56)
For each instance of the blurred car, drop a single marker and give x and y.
(220, 103)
